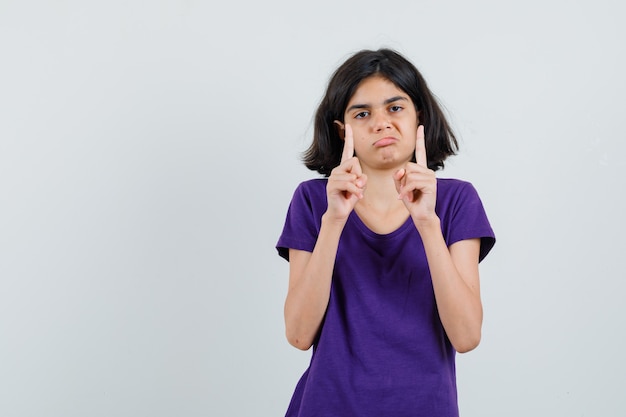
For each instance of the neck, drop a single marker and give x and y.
(380, 209)
(381, 190)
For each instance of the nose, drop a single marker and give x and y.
(380, 121)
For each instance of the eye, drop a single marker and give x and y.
(361, 115)
(395, 108)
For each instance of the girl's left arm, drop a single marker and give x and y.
(456, 283)
(454, 270)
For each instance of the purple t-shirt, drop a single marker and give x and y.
(381, 350)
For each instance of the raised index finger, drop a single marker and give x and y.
(420, 148)
(348, 144)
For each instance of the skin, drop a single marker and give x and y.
(384, 187)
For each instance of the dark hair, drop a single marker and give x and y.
(324, 154)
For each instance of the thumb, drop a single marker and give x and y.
(397, 179)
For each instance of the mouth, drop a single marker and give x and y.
(385, 142)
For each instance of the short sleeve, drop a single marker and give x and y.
(464, 217)
(303, 220)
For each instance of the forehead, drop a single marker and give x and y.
(376, 90)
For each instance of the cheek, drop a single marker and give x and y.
(413, 125)
(360, 142)
(358, 134)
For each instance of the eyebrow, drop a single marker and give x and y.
(388, 101)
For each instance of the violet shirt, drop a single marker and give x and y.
(381, 350)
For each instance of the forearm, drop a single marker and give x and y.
(457, 295)
(309, 286)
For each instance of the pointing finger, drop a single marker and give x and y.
(348, 144)
(397, 179)
(420, 148)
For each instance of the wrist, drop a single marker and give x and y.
(428, 224)
(333, 222)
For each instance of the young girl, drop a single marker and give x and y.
(383, 255)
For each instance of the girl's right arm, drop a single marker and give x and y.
(310, 273)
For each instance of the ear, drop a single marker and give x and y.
(341, 129)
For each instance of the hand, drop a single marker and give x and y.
(416, 184)
(346, 182)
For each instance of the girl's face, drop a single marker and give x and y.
(384, 124)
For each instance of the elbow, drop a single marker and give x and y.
(300, 331)
(297, 336)
(467, 344)
(299, 342)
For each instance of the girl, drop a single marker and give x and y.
(383, 255)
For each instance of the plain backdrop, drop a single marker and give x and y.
(149, 150)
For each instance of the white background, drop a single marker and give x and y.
(149, 150)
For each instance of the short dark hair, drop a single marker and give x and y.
(324, 154)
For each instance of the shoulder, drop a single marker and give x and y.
(452, 183)
(303, 220)
(313, 185)
(449, 188)
(456, 196)
(312, 190)
(462, 214)
(310, 195)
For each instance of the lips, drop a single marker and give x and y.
(385, 142)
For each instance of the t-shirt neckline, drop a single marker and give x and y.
(358, 222)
